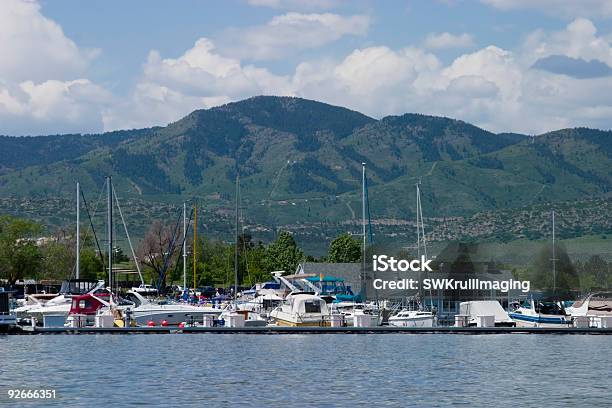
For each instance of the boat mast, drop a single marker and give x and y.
(184, 246)
(109, 221)
(195, 239)
(363, 226)
(418, 203)
(78, 231)
(554, 258)
(236, 249)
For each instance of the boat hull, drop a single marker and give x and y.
(288, 323)
(538, 321)
(412, 322)
(172, 318)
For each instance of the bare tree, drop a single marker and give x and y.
(153, 249)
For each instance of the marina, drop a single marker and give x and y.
(313, 330)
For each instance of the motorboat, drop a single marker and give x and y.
(59, 305)
(540, 313)
(412, 318)
(473, 310)
(145, 311)
(594, 306)
(301, 309)
(251, 318)
(348, 309)
(84, 308)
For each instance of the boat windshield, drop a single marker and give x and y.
(548, 308)
(312, 306)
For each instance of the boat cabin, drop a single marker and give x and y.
(87, 304)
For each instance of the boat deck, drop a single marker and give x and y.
(312, 330)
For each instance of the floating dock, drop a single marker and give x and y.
(310, 330)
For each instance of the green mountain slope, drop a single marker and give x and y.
(300, 161)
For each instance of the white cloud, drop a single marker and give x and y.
(173, 87)
(491, 87)
(290, 32)
(52, 106)
(578, 40)
(42, 89)
(448, 40)
(564, 8)
(33, 47)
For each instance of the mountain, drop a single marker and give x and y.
(299, 161)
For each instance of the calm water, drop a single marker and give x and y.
(310, 370)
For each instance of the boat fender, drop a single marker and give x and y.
(151, 323)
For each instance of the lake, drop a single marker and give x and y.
(309, 370)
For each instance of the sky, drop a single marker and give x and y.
(528, 66)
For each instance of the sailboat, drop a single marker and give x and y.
(38, 306)
(420, 317)
(541, 313)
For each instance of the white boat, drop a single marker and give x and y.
(251, 318)
(594, 306)
(412, 318)
(60, 304)
(538, 313)
(348, 310)
(473, 309)
(145, 311)
(301, 309)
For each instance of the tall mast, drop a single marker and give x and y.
(363, 224)
(236, 249)
(418, 215)
(554, 258)
(195, 242)
(109, 188)
(78, 231)
(184, 246)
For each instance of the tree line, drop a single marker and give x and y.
(25, 255)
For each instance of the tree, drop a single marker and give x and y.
(283, 254)
(344, 249)
(598, 269)
(19, 255)
(91, 265)
(153, 249)
(542, 272)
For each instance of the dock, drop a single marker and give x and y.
(311, 330)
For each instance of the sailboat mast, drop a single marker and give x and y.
(109, 187)
(363, 223)
(184, 246)
(554, 257)
(78, 230)
(236, 249)
(195, 242)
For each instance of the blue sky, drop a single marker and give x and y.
(506, 65)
